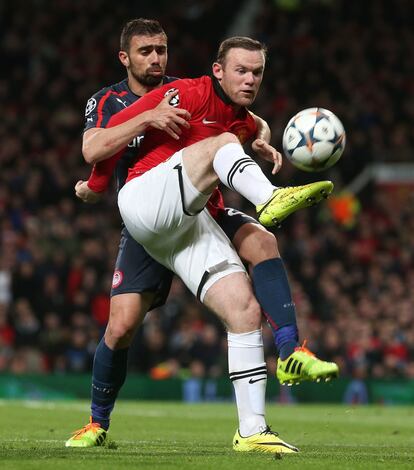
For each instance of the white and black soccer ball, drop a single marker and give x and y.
(314, 139)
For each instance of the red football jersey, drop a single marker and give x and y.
(212, 113)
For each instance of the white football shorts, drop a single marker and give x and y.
(155, 210)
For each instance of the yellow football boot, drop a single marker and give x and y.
(285, 201)
(265, 441)
(91, 435)
(303, 365)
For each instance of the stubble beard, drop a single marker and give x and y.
(147, 80)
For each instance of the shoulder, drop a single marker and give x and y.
(186, 83)
(168, 79)
(182, 85)
(106, 102)
(200, 83)
(191, 93)
(107, 92)
(192, 89)
(95, 100)
(101, 93)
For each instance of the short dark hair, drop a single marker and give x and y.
(139, 27)
(240, 42)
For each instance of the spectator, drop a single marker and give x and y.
(56, 255)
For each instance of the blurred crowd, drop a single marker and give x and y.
(353, 285)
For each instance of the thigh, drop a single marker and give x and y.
(151, 205)
(204, 255)
(191, 245)
(136, 272)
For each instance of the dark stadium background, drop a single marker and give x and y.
(351, 262)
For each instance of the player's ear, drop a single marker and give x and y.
(218, 70)
(123, 57)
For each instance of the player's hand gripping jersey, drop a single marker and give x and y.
(212, 113)
(106, 103)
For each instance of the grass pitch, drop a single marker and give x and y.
(153, 435)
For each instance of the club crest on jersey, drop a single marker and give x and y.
(90, 106)
(175, 100)
(117, 279)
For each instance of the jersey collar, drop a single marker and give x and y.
(219, 91)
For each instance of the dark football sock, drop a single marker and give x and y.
(272, 291)
(108, 376)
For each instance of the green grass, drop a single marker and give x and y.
(178, 436)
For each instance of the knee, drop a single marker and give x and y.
(253, 318)
(250, 316)
(262, 246)
(226, 138)
(120, 331)
(126, 314)
(267, 244)
(255, 315)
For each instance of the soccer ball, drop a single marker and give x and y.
(314, 139)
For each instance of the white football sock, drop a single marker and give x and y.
(247, 371)
(241, 173)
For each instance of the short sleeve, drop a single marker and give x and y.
(98, 109)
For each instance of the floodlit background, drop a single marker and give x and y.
(350, 261)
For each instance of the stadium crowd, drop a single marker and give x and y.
(353, 285)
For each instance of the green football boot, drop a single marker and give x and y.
(91, 435)
(302, 365)
(285, 201)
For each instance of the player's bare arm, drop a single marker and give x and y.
(261, 145)
(101, 143)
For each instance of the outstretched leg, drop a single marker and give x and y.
(222, 158)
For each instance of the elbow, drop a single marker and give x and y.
(89, 155)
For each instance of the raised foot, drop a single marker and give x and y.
(302, 365)
(285, 201)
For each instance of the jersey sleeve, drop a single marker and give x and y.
(99, 109)
(102, 171)
(186, 98)
(147, 102)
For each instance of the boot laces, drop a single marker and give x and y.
(268, 430)
(304, 349)
(88, 427)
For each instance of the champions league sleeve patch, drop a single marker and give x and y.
(175, 100)
(90, 106)
(117, 279)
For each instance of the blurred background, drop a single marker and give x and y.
(350, 262)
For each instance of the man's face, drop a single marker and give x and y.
(241, 75)
(146, 59)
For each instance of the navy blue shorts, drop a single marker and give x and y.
(136, 272)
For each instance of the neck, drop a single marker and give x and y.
(237, 107)
(223, 95)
